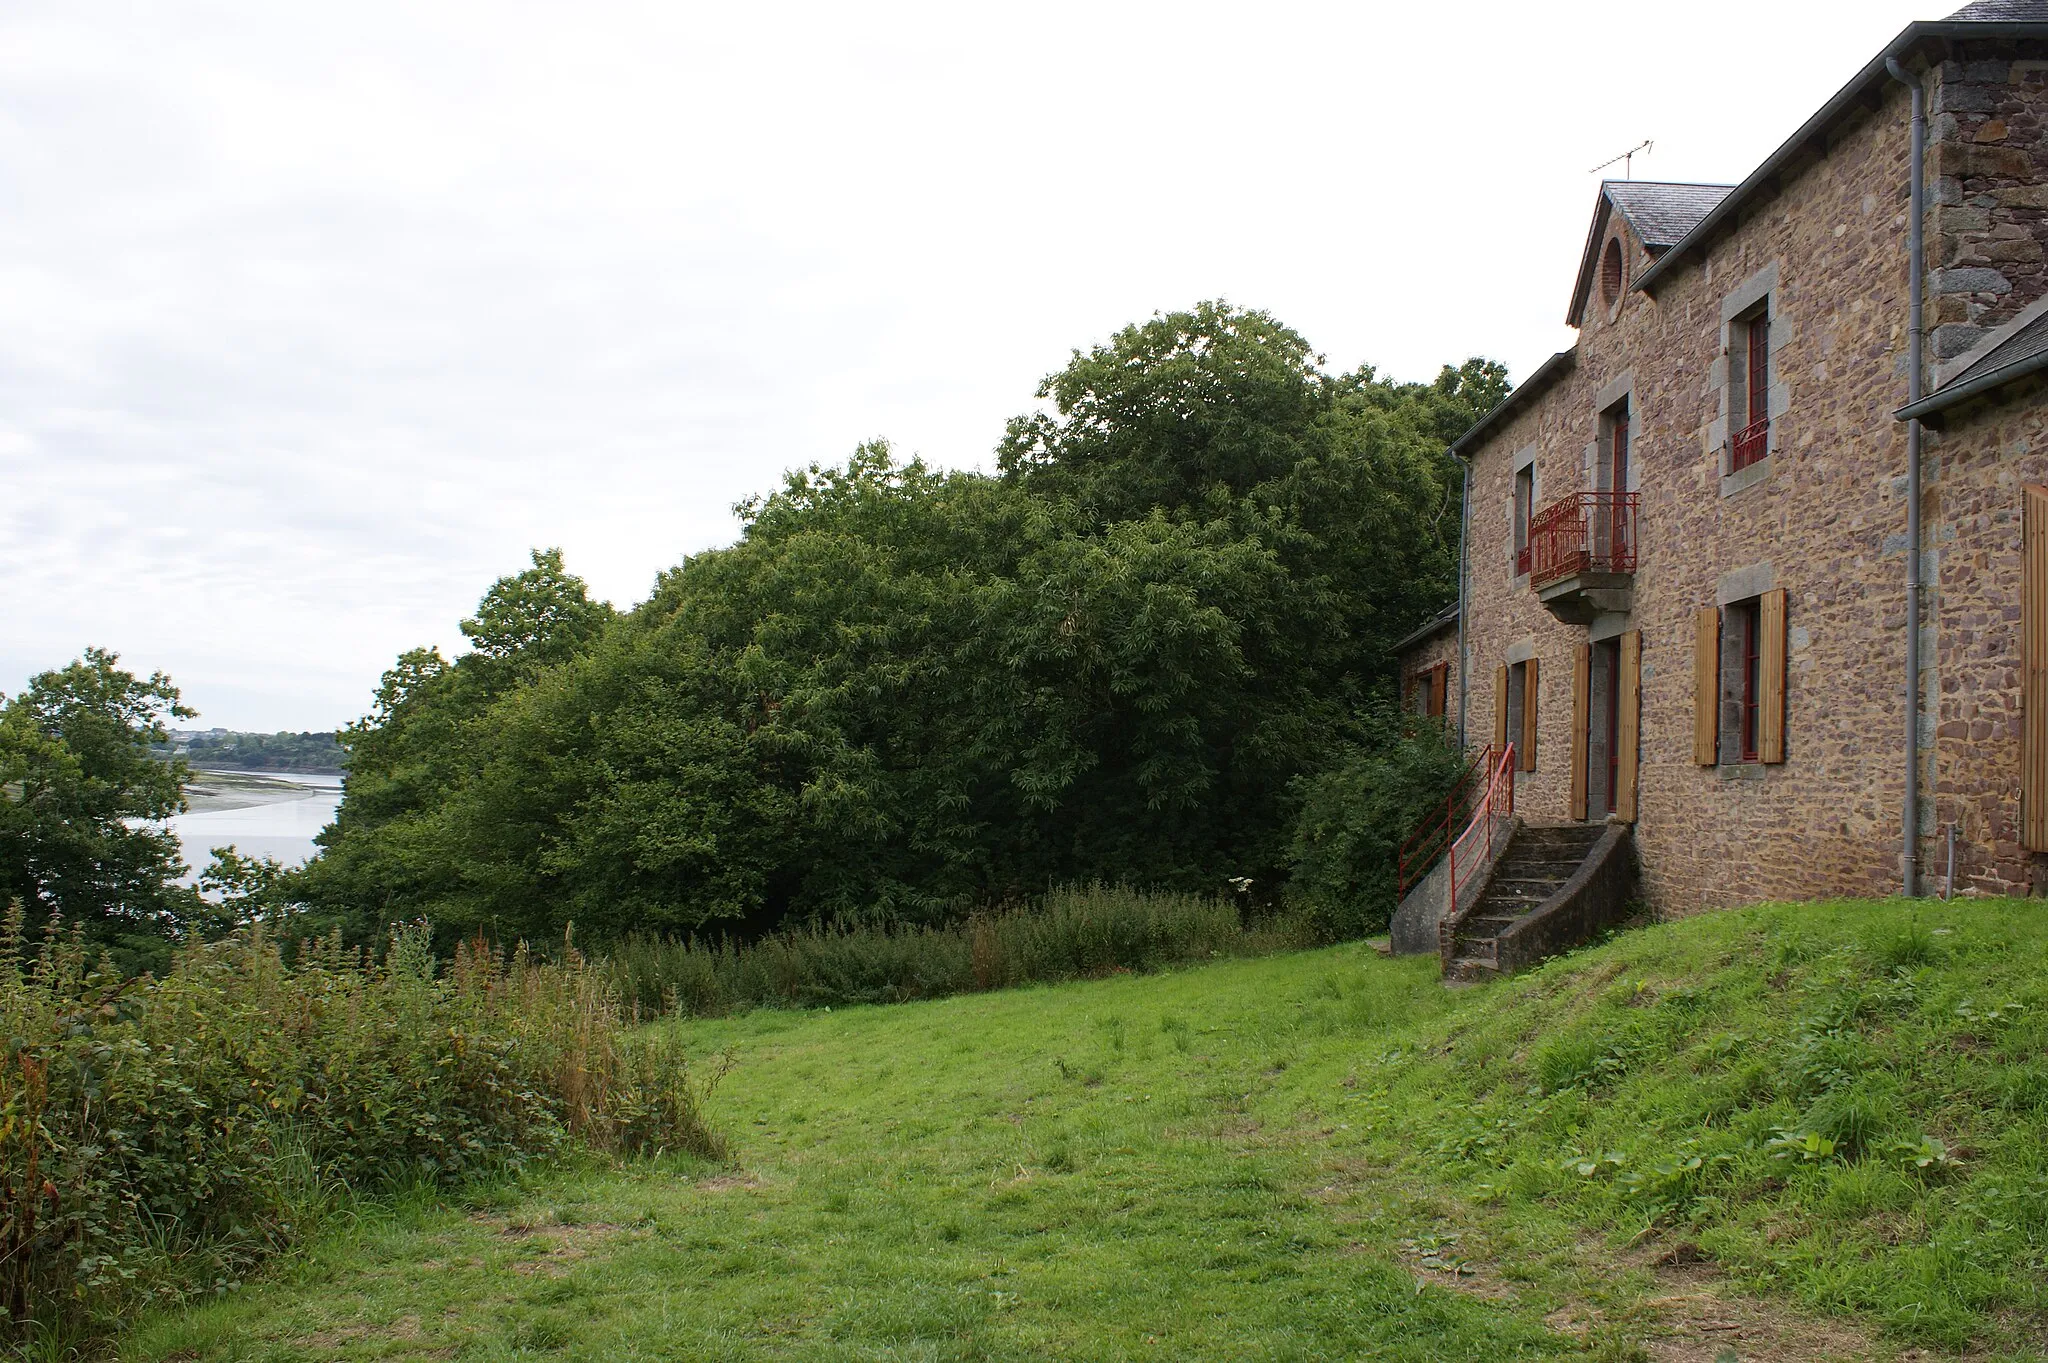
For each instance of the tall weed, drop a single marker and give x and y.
(1072, 933)
(158, 1136)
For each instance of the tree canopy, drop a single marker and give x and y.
(80, 794)
(905, 692)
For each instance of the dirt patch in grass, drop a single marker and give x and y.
(405, 1329)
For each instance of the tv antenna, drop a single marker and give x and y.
(1627, 159)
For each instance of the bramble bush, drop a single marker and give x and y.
(1356, 814)
(1071, 933)
(159, 1136)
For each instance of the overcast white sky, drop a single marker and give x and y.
(314, 318)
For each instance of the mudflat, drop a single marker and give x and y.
(212, 791)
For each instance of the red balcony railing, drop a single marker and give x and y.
(1750, 443)
(1587, 532)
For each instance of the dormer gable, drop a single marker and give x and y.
(1654, 216)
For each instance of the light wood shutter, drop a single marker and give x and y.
(2034, 669)
(1628, 724)
(1706, 685)
(1440, 686)
(1582, 682)
(1770, 708)
(1500, 711)
(1529, 695)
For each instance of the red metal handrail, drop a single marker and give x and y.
(1586, 532)
(1432, 837)
(1473, 848)
(1750, 444)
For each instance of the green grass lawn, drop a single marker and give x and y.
(1319, 1155)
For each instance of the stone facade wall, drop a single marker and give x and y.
(1822, 516)
(1975, 469)
(1419, 658)
(1987, 236)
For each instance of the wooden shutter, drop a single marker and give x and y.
(1582, 682)
(1770, 702)
(2034, 669)
(1440, 690)
(1529, 691)
(1500, 710)
(1628, 724)
(1706, 685)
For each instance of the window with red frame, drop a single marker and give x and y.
(1753, 438)
(1749, 624)
(1525, 499)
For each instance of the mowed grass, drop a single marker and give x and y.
(1085, 1171)
(1285, 1158)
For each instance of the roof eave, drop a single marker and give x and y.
(1909, 37)
(1583, 289)
(1545, 374)
(1437, 624)
(1943, 399)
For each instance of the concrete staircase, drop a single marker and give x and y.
(1537, 865)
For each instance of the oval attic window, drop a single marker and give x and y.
(1610, 272)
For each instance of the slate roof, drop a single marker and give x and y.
(1660, 214)
(2024, 344)
(2002, 12)
(2022, 352)
(2011, 18)
(1436, 624)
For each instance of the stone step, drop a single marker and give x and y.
(1562, 842)
(1471, 970)
(1526, 893)
(1562, 868)
(1550, 851)
(1518, 879)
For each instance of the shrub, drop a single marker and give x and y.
(1355, 816)
(157, 1136)
(1071, 933)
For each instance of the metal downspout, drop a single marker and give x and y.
(1464, 531)
(1916, 336)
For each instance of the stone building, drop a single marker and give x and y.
(1686, 593)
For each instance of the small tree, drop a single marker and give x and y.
(81, 798)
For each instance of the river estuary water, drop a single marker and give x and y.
(283, 828)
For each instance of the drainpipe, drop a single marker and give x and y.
(1464, 531)
(1916, 336)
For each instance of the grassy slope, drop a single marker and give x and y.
(1226, 1163)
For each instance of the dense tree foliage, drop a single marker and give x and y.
(80, 793)
(282, 751)
(905, 692)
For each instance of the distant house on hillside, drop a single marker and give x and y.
(1688, 540)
